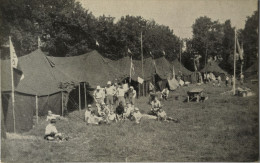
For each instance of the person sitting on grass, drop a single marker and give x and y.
(156, 105)
(51, 116)
(120, 111)
(128, 109)
(51, 132)
(165, 93)
(136, 115)
(112, 117)
(91, 118)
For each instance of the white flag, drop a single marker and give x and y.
(184, 48)
(129, 51)
(163, 52)
(140, 80)
(13, 56)
(97, 43)
(39, 42)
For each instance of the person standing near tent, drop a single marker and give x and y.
(120, 93)
(110, 92)
(227, 79)
(98, 95)
(131, 95)
(219, 80)
(242, 78)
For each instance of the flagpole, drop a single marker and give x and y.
(234, 77)
(130, 69)
(12, 81)
(180, 56)
(142, 57)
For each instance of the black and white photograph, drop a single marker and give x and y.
(129, 80)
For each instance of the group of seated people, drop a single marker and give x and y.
(104, 112)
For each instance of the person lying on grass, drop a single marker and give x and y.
(51, 132)
(161, 116)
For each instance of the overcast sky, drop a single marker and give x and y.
(179, 15)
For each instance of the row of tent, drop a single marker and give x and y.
(40, 87)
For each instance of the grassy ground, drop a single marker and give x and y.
(223, 128)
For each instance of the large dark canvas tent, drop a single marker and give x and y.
(214, 68)
(41, 83)
(123, 68)
(90, 67)
(163, 68)
(180, 69)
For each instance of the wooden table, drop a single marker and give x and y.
(194, 93)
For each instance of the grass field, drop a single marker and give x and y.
(223, 128)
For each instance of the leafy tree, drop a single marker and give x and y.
(207, 38)
(250, 39)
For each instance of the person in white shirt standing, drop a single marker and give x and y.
(120, 93)
(131, 95)
(98, 95)
(110, 92)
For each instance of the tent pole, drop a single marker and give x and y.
(62, 104)
(12, 80)
(85, 93)
(37, 109)
(79, 99)
(234, 82)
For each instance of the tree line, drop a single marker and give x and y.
(67, 29)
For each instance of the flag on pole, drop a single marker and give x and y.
(184, 47)
(240, 51)
(39, 42)
(97, 43)
(13, 56)
(163, 52)
(129, 51)
(14, 59)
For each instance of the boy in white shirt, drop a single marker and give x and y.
(110, 92)
(51, 132)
